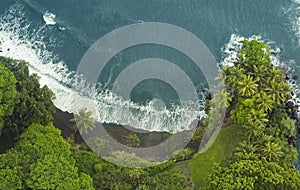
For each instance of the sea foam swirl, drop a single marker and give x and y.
(19, 41)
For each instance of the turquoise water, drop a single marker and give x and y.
(54, 35)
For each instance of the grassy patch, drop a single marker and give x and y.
(201, 165)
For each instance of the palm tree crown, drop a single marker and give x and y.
(247, 87)
(271, 151)
(83, 120)
(278, 91)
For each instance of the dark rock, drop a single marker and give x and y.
(295, 116)
(289, 104)
(209, 96)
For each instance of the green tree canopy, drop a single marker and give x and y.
(41, 160)
(253, 173)
(34, 103)
(54, 172)
(8, 93)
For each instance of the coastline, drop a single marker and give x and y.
(61, 120)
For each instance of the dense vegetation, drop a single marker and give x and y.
(41, 160)
(264, 158)
(255, 151)
(32, 103)
(8, 94)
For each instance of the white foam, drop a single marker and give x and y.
(297, 1)
(62, 28)
(16, 44)
(72, 95)
(49, 18)
(230, 50)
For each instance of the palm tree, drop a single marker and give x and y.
(257, 118)
(100, 145)
(276, 74)
(222, 99)
(254, 132)
(289, 127)
(83, 122)
(246, 147)
(264, 102)
(232, 75)
(271, 151)
(278, 91)
(132, 140)
(247, 87)
(225, 72)
(259, 73)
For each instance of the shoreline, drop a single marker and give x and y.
(61, 120)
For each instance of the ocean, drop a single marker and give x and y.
(53, 36)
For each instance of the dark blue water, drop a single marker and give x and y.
(78, 24)
(212, 21)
